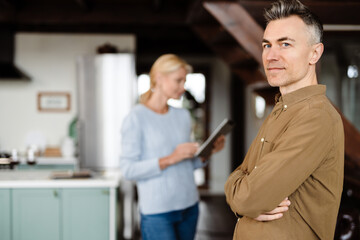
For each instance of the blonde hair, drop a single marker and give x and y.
(165, 64)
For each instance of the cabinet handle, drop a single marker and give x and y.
(106, 192)
(56, 194)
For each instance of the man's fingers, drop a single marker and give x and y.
(265, 217)
(276, 213)
(278, 210)
(284, 203)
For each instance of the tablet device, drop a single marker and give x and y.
(224, 127)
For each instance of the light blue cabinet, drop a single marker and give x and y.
(5, 217)
(36, 214)
(85, 214)
(56, 214)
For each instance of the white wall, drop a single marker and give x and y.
(220, 108)
(50, 60)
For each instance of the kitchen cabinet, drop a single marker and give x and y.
(34, 206)
(60, 214)
(86, 214)
(5, 207)
(36, 214)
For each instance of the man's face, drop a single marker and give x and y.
(287, 52)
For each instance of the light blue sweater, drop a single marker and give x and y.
(148, 136)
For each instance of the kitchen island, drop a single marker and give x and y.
(33, 205)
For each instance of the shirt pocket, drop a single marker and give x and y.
(266, 147)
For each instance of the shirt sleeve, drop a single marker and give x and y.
(197, 163)
(289, 161)
(132, 167)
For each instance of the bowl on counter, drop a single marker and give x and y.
(5, 161)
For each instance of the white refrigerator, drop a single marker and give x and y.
(107, 91)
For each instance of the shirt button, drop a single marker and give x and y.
(285, 106)
(262, 140)
(255, 167)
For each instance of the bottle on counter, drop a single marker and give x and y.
(14, 157)
(30, 158)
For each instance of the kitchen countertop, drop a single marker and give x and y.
(54, 161)
(42, 179)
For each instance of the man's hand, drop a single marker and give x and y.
(276, 213)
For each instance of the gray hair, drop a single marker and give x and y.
(286, 8)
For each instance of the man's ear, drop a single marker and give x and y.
(317, 51)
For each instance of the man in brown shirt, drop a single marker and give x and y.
(298, 154)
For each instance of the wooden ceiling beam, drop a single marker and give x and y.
(330, 12)
(232, 54)
(211, 35)
(208, 32)
(238, 22)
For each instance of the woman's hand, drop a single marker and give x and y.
(276, 213)
(184, 150)
(218, 144)
(181, 152)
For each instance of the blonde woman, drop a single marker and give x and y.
(158, 155)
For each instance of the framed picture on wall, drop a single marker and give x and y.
(53, 101)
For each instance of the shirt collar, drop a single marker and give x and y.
(301, 94)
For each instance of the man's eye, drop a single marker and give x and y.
(285, 44)
(266, 46)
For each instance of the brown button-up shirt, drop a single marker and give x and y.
(298, 153)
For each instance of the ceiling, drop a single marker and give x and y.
(183, 27)
(160, 25)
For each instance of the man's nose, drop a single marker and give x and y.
(272, 54)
